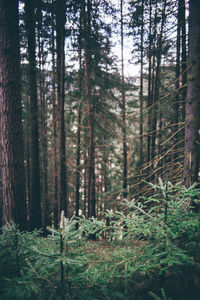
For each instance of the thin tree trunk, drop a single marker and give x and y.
(92, 175)
(60, 42)
(78, 156)
(149, 99)
(160, 148)
(55, 128)
(43, 124)
(177, 86)
(90, 109)
(182, 22)
(85, 208)
(153, 84)
(27, 157)
(78, 146)
(125, 171)
(35, 195)
(157, 84)
(141, 85)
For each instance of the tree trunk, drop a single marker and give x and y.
(54, 200)
(177, 87)
(90, 109)
(35, 196)
(157, 85)
(125, 171)
(182, 22)
(78, 148)
(43, 123)
(12, 160)
(149, 99)
(192, 109)
(60, 42)
(141, 84)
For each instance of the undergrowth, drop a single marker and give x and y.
(151, 251)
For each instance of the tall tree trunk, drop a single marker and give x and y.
(125, 171)
(54, 201)
(43, 123)
(78, 146)
(160, 148)
(78, 156)
(60, 42)
(92, 175)
(151, 84)
(192, 109)
(85, 202)
(27, 155)
(177, 86)
(12, 160)
(149, 98)
(141, 84)
(157, 83)
(35, 195)
(90, 108)
(182, 22)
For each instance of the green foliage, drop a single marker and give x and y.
(164, 297)
(149, 245)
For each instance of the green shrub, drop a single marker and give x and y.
(148, 248)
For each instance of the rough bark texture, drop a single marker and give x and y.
(192, 110)
(35, 196)
(60, 41)
(12, 162)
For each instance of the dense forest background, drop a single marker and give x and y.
(104, 104)
(99, 149)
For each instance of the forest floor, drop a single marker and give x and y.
(179, 283)
(108, 274)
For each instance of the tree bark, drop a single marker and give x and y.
(177, 86)
(192, 109)
(12, 159)
(182, 22)
(157, 85)
(60, 42)
(149, 99)
(141, 84)
(78, 142)
(54, 200)
(35, 194)
(123, 99)
(90, 109)
(43, 122)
